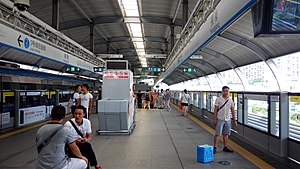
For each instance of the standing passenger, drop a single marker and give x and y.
(51, 140)
(139, 99)
(76, 98)
(168, 99)
(86, 100)
(222, 120)
(185, 99)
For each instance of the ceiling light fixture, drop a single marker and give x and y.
(130, 11)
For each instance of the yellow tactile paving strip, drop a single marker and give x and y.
(26, 129)
(237, 148)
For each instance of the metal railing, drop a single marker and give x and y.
(252, 120)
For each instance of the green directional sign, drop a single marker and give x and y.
(190, 70)
(72, 69)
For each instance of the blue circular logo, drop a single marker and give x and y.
(26, 43)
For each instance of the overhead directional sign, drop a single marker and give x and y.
(190, 70)
(20, 41)
(72, 69)
(153, 69)
(99, 69)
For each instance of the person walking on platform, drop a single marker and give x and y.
(76, 98)
(139, 99)
(168, 99)
(51, 140)
(185, 99)
(161, 99)
(222, 121)
(86, 100)
(147, 99)
(82, 128)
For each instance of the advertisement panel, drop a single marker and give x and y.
(116, 74)
(5, 118)
(31, 114)
(48, 111)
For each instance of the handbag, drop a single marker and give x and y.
(180, 106)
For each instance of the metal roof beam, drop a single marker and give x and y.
(132, 50)
(207, 64)
(116, 19)
(225, 59)
(117, 39)
(179, 76)
(261, 53)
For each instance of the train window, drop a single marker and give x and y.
(32, 99)
(6, 86)
(27, 86)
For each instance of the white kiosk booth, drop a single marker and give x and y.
(116, 109)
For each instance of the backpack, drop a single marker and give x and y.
(147, 97)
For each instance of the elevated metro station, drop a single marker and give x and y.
(128, 53)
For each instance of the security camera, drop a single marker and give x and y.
(22, 5)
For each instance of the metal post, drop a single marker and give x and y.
(245, 110)
(273, 115)
(92, 42)
(185, 10)
(55, 14)
(172, 36)
(284, 123)
(57, 97)
(17, 106)
(107, 47)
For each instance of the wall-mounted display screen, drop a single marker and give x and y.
(276, 17)
(286, 16)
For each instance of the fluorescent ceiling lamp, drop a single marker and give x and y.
(132, 20)
(136, 29)
(130, 11)
(139, 45)
(137, 40)
(140, 50)
(142, 59)
(141, 53)
(130, 7)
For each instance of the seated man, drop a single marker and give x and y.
(51, 140)
(82, 127)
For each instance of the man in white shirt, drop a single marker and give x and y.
(76, 98)
(222, 120)
(84, 132)
(51, 153)
(86, 100)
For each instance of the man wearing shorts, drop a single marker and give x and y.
(222, 120)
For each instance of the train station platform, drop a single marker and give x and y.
(161, 140)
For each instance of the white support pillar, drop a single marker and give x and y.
(206, 78)
(281, 80)
(242, 78)
(221, 78)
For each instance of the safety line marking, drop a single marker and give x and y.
(245, 153)
(26, 129)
